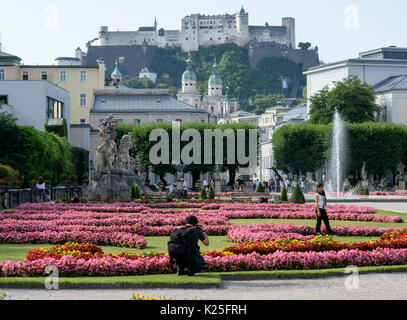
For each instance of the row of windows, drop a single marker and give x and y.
(138, 121)
(83, 75)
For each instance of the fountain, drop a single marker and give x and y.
(336, 186)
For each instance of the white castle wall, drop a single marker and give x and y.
(201, 30)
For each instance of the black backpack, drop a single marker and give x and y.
(180, 244)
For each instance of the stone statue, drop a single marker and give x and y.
(400, 169)
(180, 171)
(124, 161)
(365, 181)
(141, 171)
(112, 174)
(107, 149)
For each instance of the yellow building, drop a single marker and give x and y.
(79, 80)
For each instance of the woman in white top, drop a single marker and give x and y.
(40, 189)
(320, 204)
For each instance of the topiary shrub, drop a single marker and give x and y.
(366, 191)
(85, 178)
(135, 192)
(297, 196)
(284, 196)
(47, 176)
(33, 176)
(73, 178)
(211, 193)
(4, 173)
(204, 196)
(64, 178)
(260, 188)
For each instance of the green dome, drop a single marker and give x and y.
(215, 78)
(189, 74)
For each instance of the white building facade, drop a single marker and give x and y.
(372, 67)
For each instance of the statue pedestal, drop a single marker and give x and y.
(179, 184)
(218, 186)
(402, 185)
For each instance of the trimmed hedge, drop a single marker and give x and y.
(305, 147)
(59, 130)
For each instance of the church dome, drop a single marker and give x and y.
(116, 73)
(215, 78)
(189, 74)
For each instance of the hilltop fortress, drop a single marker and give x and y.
(137, 50)
(203, 30)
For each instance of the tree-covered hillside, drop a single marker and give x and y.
(256, 90)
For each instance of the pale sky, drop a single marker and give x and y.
(38, 31)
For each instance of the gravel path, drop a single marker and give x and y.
(370, 286)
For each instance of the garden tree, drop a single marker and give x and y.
(354, 100)
(269, 73)
(142, 146)
(260, 188)
(139, 83)
(284, 196)
(300, 147)
(135, 192)
(297, 196)
(203, 194)
(37, 150)
(234, 70)
(262, 102)
(60, 129)
(306, 147)
(304, 45)
(9, 135)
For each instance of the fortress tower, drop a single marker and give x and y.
(242, 26)
(289, 23)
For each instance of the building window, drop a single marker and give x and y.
(83, 75)
(62, 76)
(2, 74)
(3, 99)
(83, 100)
(137, 121)
(55, 109)
(44, 75)
(82, 120)
(25, 75)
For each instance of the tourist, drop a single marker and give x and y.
(287, 185)
(382, 184)
(205, 184)
(185, 189)
(277, 186)
(320, 204)
(40, 186)
(75, 197)
(183, 247)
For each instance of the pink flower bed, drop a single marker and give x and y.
(272, 231)
(112, 266)
(125, 224)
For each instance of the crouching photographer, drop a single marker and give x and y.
(183, 247)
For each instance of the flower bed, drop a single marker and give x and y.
(272, 231)
(394, 240)
(68, 266)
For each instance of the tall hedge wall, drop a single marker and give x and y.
(39, 151)
(305, 147)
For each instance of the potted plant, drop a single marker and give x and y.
(64, 179)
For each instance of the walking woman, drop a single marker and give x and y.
(320, 204)
(40, 189)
